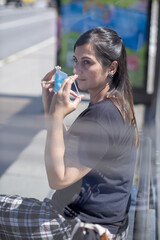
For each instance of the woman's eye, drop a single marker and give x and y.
(86, 62)
(74, 60)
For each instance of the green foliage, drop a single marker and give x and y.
(137, 77)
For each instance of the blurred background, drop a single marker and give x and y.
(35, 35)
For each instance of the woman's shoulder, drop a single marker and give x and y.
(103, 110)
(102, 115)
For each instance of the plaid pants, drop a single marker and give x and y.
(28, 218)
(120, 236)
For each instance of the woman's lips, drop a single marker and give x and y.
(81, 79)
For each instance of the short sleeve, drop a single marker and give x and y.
(87, 142)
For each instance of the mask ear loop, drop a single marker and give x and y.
(76, 88)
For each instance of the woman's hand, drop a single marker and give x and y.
(48, 90)
(61, 104)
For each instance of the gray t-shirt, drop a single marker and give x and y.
(101, 140)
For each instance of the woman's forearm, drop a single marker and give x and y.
(61, 172)
(54, 151)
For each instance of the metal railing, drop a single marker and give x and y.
(141, 219)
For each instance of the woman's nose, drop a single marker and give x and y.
(77, 69)
(74, 70)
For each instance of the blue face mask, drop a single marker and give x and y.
(59, 78)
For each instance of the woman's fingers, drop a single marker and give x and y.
(58, 67)
(76, 102)
(76, 95)
(73, 94)
(48, 77)
(47, 84)
(47, 90)
(61, 102)
(51, 89)
(66, 85)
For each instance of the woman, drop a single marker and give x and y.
(97, 153)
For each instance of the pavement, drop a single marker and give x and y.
(29, 3)
(22, 130)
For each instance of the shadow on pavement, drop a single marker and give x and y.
(18, 130)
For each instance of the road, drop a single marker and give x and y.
(27, 53)
(23, 27)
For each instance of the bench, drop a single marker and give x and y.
(141, 216)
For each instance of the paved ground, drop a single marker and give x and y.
(22, 132)
(21, 124)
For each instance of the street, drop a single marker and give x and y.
(27, 53)
(23, 27)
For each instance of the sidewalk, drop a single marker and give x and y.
(21, 122)
(22, 134)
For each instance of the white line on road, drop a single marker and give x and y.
(25, 21)
(28, 51)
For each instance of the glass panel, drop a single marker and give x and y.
(128, 18)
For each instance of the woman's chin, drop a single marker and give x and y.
(82, 87)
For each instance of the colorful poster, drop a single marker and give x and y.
(128, 18)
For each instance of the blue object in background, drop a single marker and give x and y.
(130, 24)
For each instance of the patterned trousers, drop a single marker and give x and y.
(28, 218)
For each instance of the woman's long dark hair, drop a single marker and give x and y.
(109, 47)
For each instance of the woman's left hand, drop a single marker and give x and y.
(61, 104)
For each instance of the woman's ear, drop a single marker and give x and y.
(113, 67)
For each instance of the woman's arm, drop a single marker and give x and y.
(61, 172)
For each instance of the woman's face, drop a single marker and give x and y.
(91, 73)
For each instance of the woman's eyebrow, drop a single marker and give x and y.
(82, 58)
(86, 57)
